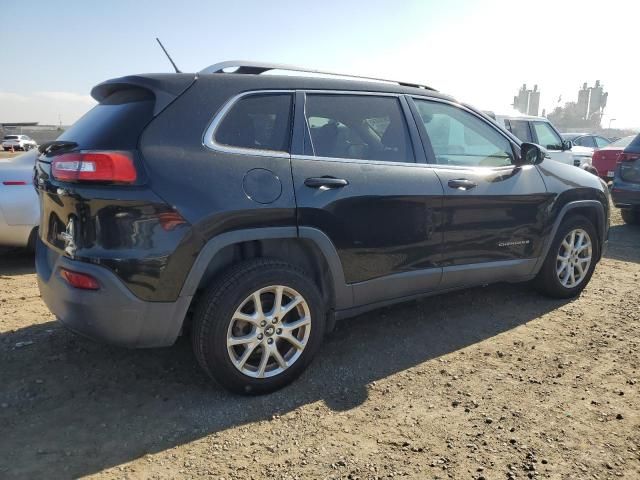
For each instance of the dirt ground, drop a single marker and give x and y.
(493, 383)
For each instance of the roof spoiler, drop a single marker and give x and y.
(165, 87)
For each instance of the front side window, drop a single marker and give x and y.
(586, 141)
(602, 142)
(258, 122)
(460, 138)
(547, 136)
(364, 127)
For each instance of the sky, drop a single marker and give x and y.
(481, 52)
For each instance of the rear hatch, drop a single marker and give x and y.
(96, 203)
(630, 162)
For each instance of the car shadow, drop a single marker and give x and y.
(16, 261)
(72, 407)
(624, 243)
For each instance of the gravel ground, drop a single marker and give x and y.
(491, 383)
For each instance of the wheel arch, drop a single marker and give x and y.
(307, 248)
(591, 209)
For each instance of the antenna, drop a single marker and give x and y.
(168, 56)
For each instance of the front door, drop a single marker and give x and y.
(493, 212)
(357, 181)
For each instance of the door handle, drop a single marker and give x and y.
(462, 184)
(326, 182)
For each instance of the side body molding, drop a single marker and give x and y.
(600, 227)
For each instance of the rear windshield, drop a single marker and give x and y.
(622, 142)
(634, 146)
(11, 137)
(115, 123)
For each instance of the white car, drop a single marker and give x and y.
(584, 144)
(19, 207)
(18, 142)
(541, 131)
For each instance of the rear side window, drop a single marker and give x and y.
(258, 122)
(364, 127)
(547, 137)
(602, 142)
(460, 138)
(520, 128)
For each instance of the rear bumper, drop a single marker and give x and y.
(111, 314)
(14, 235)
(625, 195)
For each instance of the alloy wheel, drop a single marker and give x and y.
(269, 331)
(574, 258)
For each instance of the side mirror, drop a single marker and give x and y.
(531, 154)
(567, 145)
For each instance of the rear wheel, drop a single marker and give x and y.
(259, 326)
(630, 216)
(571, 259)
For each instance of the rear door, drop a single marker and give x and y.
(357, 181)
(544, 134)
(493, 211)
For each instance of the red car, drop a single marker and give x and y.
(606, 159)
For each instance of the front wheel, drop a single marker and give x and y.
(259, 326)
(571, 259)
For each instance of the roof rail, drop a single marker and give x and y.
(256, 68)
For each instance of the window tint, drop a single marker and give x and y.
(547, 137)
(460, 138)
(357, 126)
(520, 128)
(261, 122)
(602, 142)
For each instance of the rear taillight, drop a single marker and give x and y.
(79, 280)
(628, 157)
(13, 183)
(94, 166)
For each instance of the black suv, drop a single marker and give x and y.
(253, 211)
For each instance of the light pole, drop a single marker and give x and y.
(611, 120)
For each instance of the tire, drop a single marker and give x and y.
(630, 216)
(551, 279)
(31, 244)
(219, 319)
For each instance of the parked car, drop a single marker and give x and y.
(626, 182)
(254, 211)
(541, 131)
(18, 142)
(19, 207)
(587, 140)
(606, 159)
(584, 145)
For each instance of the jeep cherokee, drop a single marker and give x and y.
(252, 211)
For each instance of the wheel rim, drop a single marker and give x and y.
(574, 258)
(269, 331)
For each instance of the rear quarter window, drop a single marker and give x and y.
(257, 122)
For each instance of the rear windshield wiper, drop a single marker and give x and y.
(56, 145)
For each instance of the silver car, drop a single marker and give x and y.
(18, 142)
(19, 208)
